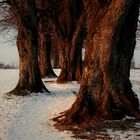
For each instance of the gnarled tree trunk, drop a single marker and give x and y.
(75, 72)
(71, 52)
(105, 90)
(67, 27)
(27, 43)
(42, 53)
(71, 67)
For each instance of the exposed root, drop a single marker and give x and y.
(80, 115)
(19, 92)
(130, 108)
(99, 131)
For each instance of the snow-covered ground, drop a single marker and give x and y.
(29, 118)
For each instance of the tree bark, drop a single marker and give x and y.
(44, 56)
(27, 43)
(44, 41)
(49, 72)
(71, 67)
(67, 26)
(71, 52)
(55, 61)
(79, 35)
(65, 61)
(105, 90)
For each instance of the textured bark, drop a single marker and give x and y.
(49, 73)
(105, 90)
(71, 67)
(67, 29)
(75, 71)
(65, 62)
(71, 57)
(44, 56)
(44, 41)
(27, 43)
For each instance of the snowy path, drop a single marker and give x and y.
(32, 121)
(28, 118)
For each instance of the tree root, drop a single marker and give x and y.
(26, 91)
(19, 92)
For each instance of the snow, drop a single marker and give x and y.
(137, 53)
(29, 118)
(135, 78)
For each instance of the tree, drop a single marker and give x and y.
(27, 43)
(68, 25)
(105, 90)
(7, 18)
(55, 61)
(44, 40)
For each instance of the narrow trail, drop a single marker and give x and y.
(32, 121)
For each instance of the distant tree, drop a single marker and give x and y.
(1, 65)
(55, 61)
(27, 43)
(105, 89)
(44, 40)
(7, 18)
(68, 25)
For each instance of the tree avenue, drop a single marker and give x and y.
(105, 90)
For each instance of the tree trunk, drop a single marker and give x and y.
(67, 26)
(44, 41)
(75, 71)
(27, 43)
(79, 35)
(55, 55)
(71, 50)
(71, 67)
(105, 90)
(65, 61)
(44, 56)
(49, 70)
